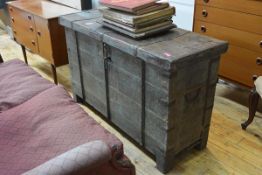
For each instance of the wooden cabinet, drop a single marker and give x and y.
(35, 26)
(240, 23)
(160, 90)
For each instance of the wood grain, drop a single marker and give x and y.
(240, 72)
(241, 21)
(246, 6)
(235, 37)
(43, 8)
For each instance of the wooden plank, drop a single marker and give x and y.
(236, 37)
(246, 6)
(244, 63)
(230, 19)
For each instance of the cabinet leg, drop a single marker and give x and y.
(78, 99)
(54, 73)
(24, 53)
(253, 103)
(203, 141)
(165, 162)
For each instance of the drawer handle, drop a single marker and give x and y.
(204, 13)
(11, 9)
(203, 29)
(13, 19)
(31, 28)
(206, 1)
(39, 33)
(33, 42)
(260, 44)
(29, 17)
(259, 61)
(254, 77)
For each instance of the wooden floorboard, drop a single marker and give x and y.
(230, 150)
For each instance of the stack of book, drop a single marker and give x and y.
(137, 18)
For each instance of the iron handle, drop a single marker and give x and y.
(203, 29)
(259, 61)
(204, 13)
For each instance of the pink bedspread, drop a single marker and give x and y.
(46, 126)
(19, 83)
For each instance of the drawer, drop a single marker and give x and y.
(24, 28)
(239, 65)
(43, 38)
(235, 37)
(246, 6)
(236, 20)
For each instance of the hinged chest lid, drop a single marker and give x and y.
(163, 50)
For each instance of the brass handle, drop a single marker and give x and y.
(206, 1)
(13, 19)
(31, 28)
(39, 33)
(204, 13)
(203, 29)
(33, 42)
(29, 17)
(259, 61)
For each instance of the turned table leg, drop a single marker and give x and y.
(24, 54)
(54, 73)
(253, 103)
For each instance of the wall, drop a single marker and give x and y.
(184, 12)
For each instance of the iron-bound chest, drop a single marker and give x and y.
(160, 90)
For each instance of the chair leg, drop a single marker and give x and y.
(24, 53)
(1, 59)
(53, 67)
(253, 103)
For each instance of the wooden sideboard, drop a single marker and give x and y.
(35, 27)
(240, 23)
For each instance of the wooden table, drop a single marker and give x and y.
(160, 90)
(35, 27)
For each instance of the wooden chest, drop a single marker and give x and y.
(240, 23)
(35, 26)
(160, 91)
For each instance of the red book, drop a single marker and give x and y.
(128, 5)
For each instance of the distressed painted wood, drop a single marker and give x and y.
(160, 90)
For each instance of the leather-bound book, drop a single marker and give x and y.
(128, 5)
(140, 30)
(131, 20)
